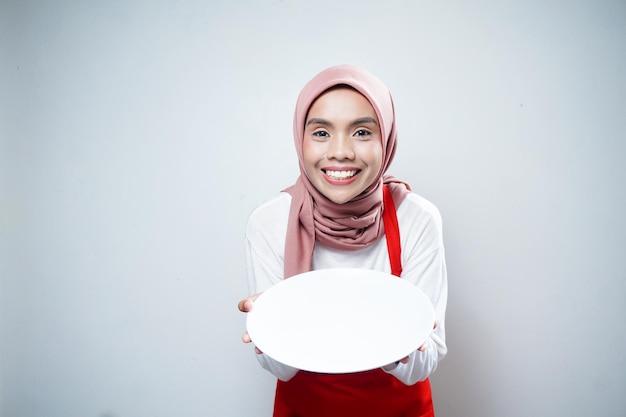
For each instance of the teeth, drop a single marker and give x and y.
(341, 174)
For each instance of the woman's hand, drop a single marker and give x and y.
(422, 348)
(245, 306)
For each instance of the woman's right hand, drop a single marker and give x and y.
(245, 306)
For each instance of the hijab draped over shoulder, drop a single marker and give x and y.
(313, 218)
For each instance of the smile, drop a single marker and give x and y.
(341, 175)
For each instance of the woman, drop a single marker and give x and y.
(344, 211)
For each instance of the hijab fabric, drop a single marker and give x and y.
(357, 223)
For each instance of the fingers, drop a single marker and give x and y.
(424, 347)
(245, 305)
(242, 306)
(246, 339)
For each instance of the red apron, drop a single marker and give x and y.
(372, 393)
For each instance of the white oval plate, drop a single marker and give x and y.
(340, 320)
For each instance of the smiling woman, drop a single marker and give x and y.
(345, 212)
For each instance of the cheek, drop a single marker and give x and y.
(309, 155)
(375, 157)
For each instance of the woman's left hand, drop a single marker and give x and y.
(422, 348)
(245, 306)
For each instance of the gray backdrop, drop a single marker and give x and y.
(136, 137)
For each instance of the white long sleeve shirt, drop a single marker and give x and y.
(423, 263)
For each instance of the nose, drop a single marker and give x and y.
(340, 147)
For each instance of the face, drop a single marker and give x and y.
(342, 148)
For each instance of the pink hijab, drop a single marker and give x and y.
(313, 217)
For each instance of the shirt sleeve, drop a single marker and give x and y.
(424, 265)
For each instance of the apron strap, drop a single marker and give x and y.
(392, 232)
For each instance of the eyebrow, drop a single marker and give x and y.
(324, 122)
(364, 120)
(318, 121)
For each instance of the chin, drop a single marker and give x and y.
(339, 199)
(336, 194)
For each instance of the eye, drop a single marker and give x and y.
(320, 134)
(362, 133)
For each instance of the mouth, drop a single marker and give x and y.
(341, 175)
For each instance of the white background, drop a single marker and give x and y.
(136, 137)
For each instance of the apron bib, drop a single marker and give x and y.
(372, 393)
